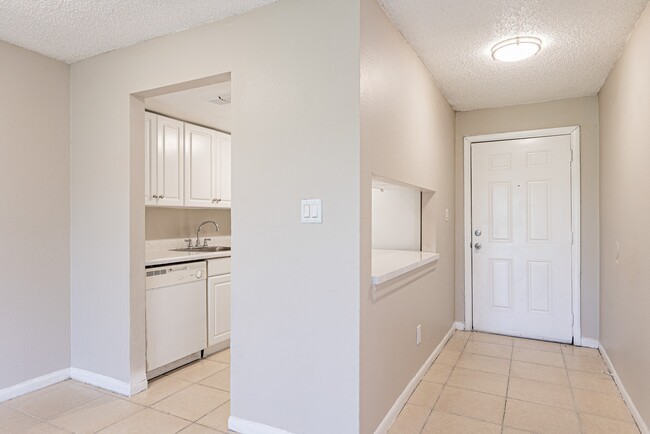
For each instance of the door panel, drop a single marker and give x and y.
(501, 283)
(219, 289)
(200, 166)
(224, 171)
(539, 286)
(170, 161)
(500, 212)
(150, 159)
(539, 207)
(521, 223)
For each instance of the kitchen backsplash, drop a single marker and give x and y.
(166, 223)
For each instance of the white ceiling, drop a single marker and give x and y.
(71, 30)
(194, 106)
(453, 38)
(582, 38)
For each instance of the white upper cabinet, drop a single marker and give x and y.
(170, 162)
(201, 151)
(185, 165)
(224, 172)
(150, 159)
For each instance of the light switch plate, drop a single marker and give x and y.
(311, 211)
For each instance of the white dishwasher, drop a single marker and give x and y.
(176, 312)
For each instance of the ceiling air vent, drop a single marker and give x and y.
(220, 99)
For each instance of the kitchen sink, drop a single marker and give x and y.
(203, 249)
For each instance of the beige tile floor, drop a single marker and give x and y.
(480, 383)
(483, 383)
(194, 399)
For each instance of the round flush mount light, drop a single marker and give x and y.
(516, 49)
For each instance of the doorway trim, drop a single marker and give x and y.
(574, 133)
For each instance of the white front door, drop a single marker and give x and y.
(522, 236)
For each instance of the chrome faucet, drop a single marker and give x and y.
(205, 241)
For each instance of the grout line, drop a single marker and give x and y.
(116, 422)
(444, 385)
(25, 413)
(505, 401)
(573, 397)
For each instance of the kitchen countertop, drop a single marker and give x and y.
(158, 252)
(162, 257)
(389, 264)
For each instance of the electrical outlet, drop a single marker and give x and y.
(418, 334)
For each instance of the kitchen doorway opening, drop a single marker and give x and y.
(181, 218)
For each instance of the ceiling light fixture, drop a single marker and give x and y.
(516, 49)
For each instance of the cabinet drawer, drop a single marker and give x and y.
(218, 266)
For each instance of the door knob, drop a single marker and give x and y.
(477, 232)
(478, 246)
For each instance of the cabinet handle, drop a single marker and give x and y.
(216, 200)
(155, 196)
(161, 197)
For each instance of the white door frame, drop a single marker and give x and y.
(574, 133)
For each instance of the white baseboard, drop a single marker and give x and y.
(643, 427)
(34, 384)
(101, 381)
(459, 325)
(410, 387)
(138, 386)
(590, 343)
(238, 424)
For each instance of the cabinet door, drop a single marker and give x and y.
(150, 159)
(224, 172)
(170, 162)
(200, 166)
(218, 309)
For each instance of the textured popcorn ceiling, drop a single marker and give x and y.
(72, 30)
(581, 41)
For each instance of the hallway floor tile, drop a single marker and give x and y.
(485, 383)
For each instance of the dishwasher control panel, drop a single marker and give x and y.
(175, 274)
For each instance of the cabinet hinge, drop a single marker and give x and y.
(572, 320)
(571, 155)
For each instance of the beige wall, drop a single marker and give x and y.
(163, 223)
(624, 104)
(407, 133)
(295, 299)
(35, 247)
(582, 112)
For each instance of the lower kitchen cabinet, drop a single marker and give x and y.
(218, 309)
